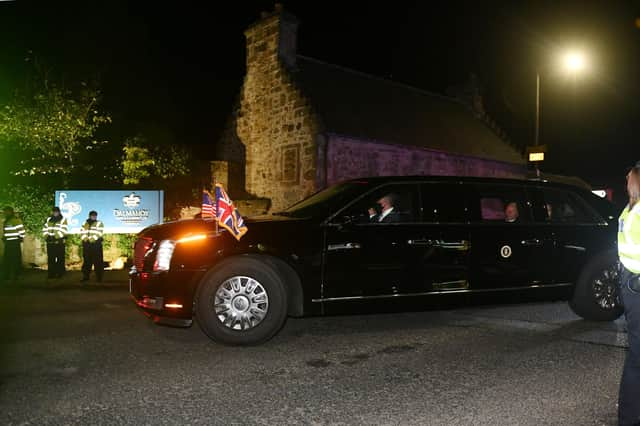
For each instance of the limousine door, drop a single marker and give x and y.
(440, 246)
(577, 229)
(365, 258)
(508, 248)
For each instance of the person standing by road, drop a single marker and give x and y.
(91, 235)
(13, 234)
(55, 231)
(629, 255)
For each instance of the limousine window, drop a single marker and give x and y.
(403, 198)
(444, 203)
(500, 204)
(322, 203)
(565, 207)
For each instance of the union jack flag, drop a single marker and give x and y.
(208, 206)
(228, 216)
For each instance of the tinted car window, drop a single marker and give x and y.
(444, 203)
(402, 197)
(493, 203)
(561, 206)
(327, 201)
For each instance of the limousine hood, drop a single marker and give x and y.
(181, 228)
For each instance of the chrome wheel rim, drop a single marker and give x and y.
(241, 303)
(605, 288)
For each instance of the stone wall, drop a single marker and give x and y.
(273, 123)
(349, 158)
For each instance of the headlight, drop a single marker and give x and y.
(163, 255)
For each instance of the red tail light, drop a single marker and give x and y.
(140, 248)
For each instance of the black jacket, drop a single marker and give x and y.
(393, 217)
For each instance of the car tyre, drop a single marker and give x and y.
(596, 295)
(223, 300)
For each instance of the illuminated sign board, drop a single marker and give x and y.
(122, 212)
(536, 156)
(536, 153)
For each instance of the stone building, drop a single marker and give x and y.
(301, 124)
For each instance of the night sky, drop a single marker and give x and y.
(174, 68)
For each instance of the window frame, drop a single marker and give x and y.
(464, 186)
(588, 209)
(331, 220)
(475, 208)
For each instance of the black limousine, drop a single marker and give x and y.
(381, 239)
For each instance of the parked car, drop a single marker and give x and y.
(448, 236)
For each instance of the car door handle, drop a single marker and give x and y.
(447, 245)
(344, 246)
(453, 245)
(420, 243)
(533, 242)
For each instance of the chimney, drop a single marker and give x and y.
(274, 36)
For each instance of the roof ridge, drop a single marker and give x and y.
(385, 80)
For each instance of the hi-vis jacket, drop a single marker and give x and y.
(92, 232)
(56, 229)
(13, 229)
(629, 238)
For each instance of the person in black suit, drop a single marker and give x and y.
(387, 214)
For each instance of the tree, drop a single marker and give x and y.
(51, 128)
(44, 132)
(144, 162)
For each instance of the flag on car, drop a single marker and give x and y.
(227, 215)
(208, 206)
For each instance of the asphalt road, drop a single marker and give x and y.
(86, 356)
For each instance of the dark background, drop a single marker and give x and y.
(173, 68)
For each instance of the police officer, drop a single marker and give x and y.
(629, 254)
(91, 235)
(55, 231)
(13, 234)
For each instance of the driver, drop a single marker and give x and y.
(387, 214)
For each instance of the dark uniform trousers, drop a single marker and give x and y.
(629, 402)
(12, 261)
(92, 257)
(55, 258)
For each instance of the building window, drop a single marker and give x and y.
(290, 164)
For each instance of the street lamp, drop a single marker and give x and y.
(574, 62)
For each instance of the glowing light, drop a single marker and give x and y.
(536, 156)
(173, 305)
(190, 238)
(575, 61)
(163, 257)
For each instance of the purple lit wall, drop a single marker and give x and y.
(349, 158)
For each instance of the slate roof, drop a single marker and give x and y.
(358, 105)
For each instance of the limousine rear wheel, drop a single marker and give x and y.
(241, 303)
(596, 294)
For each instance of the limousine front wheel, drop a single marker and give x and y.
(596, 294)
(241, 303)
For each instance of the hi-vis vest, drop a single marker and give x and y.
(13, 229)
(629, 238)
(92, 232)
(57, 230)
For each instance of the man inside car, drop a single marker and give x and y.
(387, 212)
(511, 213)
